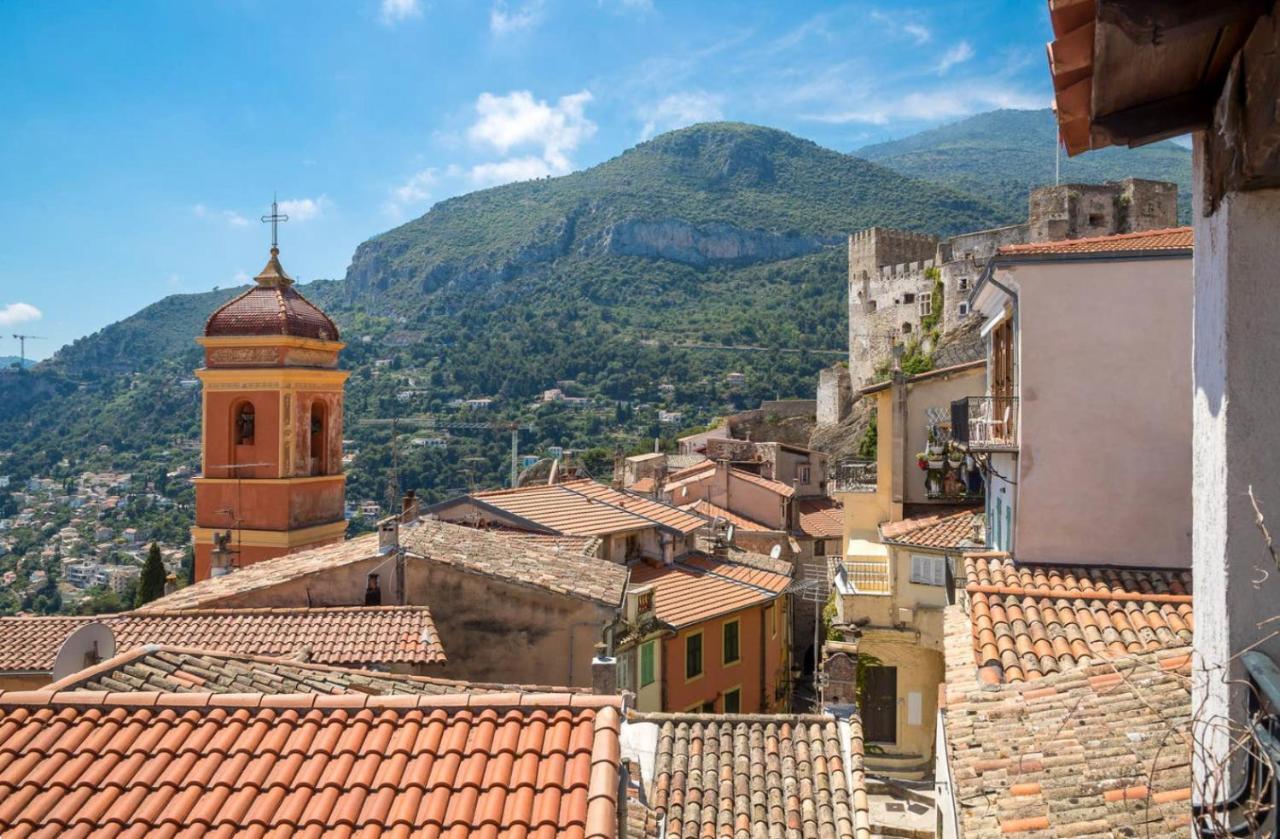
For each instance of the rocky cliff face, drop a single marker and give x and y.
(702, 245)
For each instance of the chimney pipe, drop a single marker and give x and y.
(388, 535)
(409, 507)
(604, 672)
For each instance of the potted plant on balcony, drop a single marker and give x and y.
(955, 456)
(922, 460)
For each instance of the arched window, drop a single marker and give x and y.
(906, 329)
(244, 425)
(319, 444)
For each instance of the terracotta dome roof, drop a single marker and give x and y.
(272, 307)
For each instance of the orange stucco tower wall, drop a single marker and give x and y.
(271, 454)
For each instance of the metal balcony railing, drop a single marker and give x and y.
(985, 423)
(1252, 809)
(854, 474)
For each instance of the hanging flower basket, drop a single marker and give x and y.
(936, 462)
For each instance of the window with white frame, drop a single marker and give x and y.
(964, 308)
(926, 304)
(928, 570)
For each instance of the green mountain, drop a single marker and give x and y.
(1001, 155)
(10, 361)
(638, 283)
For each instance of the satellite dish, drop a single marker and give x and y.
(775, 552)
(728, 534)
(91, 644)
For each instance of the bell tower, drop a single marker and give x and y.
(271, 478)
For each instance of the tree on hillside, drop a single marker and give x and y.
(151, 583)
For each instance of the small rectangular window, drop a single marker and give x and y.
(733, 701)
(693, 656)
(770, 620)
(908, 298)
(964, 283)
(964, 308)
(926, 304)
(646, 663)
(732, 655)
(928, 570)
(709, 707)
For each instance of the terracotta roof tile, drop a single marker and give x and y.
(253, 763)
(272, 307)
(1103, 750)
(587, 508)
(1029, 621)
(333, 635)
(697, 588)
(1167, 239)
(495, 554)
(175, 669)
(947, 530)
(757, 775)
(821, 518)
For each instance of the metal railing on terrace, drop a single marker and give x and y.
(854, 474)
(985, 423)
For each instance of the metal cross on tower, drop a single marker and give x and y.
(275, 218)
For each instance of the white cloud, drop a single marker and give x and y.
(12, 314)
(242, 277)
(627, 5)
(517, 121)
(304, 209)
(231, 217)
(504, 20)
(944, 103)
(395, 11)
(417, 188)
(679, 110)
(958, 54)
(235, 219)
(919, 34)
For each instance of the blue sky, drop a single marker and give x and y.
(143, 140)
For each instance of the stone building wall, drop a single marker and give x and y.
(835, 394)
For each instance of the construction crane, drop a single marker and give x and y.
(427, 421)
(22, 347)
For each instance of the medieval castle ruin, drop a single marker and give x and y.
(893, 273)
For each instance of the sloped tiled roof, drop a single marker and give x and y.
(766, 775)
(272, 572)
(1102, 750)
(586, 508)
(159, 764)
(697, 588)
(581, 545)
(173, 669)
(494, 554)
(705, 508)
(785, 490)
(1166, 239)
(944, 531)
(331, 635)
(821, 518)
(1029, 621)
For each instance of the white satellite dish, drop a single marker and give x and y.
(775, 552)
(89, 645)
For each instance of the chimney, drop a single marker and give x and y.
(388, 535)
(604, 672)
(409, 507)
(170, 584)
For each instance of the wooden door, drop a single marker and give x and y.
(880, 704)
(1002, 360)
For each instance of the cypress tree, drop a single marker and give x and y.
(151, 583)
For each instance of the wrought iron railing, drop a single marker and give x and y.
(985, 422)
(1252, 809)
(855, 474)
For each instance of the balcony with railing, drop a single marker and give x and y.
(867, 576)
(854, 474)
(985, 423)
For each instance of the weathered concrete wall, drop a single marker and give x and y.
(1236, 436)
(494, 631)
(932, 396)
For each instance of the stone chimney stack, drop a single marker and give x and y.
(604, 672)
(388, 535)
(409, 510)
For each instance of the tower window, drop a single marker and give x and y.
(906, 329)
(244, 424)
(319, 446)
